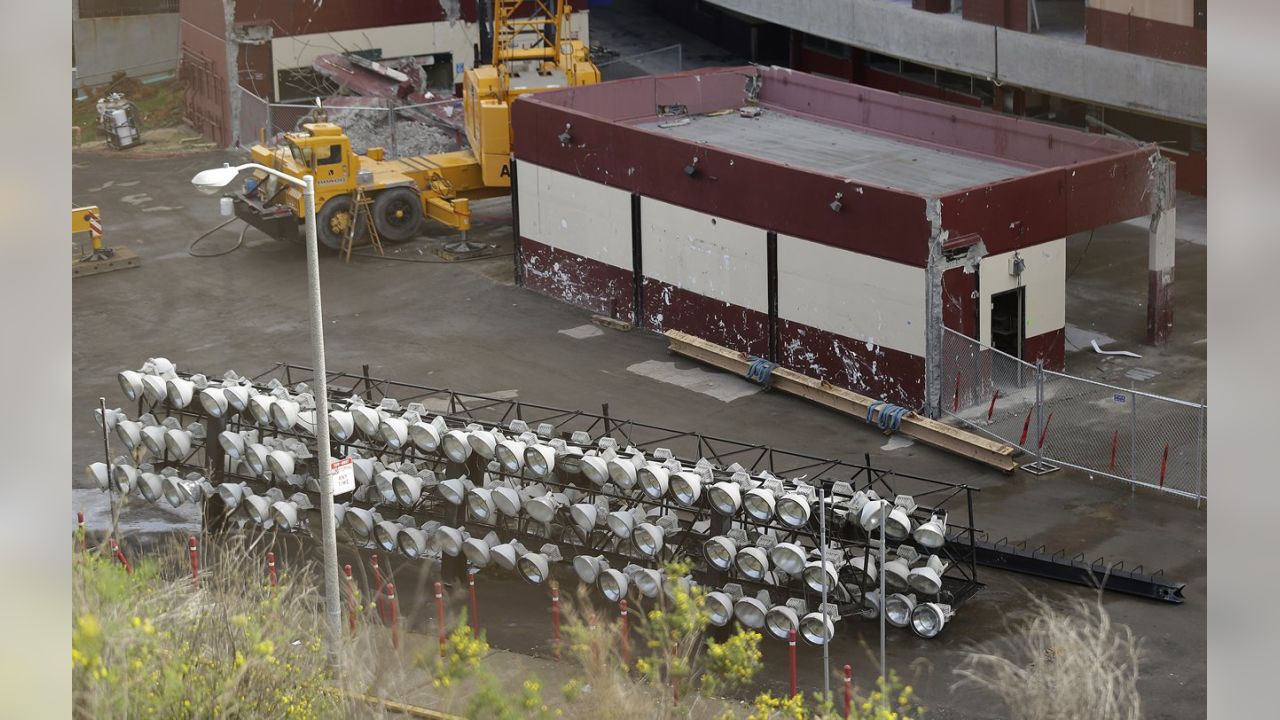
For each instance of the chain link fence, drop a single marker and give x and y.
(1138, 437)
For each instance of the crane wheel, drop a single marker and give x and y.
(397, 214)
(333, 222)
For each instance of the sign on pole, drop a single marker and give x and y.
(342, 474)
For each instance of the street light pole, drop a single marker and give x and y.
(211, 181)
(328, 534)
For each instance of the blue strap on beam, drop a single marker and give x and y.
(890, 417)
(760, 371)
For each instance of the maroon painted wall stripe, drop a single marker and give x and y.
(586, 283)
(1050, 347)
(882, 373)
(1015, 213)
(1144, 36)
(959, 306)
(667, 307)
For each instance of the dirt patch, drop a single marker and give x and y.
(159, 103)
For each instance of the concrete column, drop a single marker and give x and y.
(1160, 258)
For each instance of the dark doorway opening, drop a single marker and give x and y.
(1006, 321)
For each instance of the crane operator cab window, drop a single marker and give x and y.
(333, 157)
(307, 156)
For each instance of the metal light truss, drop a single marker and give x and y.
(695, 524)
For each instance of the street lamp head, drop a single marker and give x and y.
(212, 180)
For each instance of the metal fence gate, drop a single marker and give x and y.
(1122, 433)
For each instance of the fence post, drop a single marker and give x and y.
(1200, 443)
(475, 611)
(626, 639)
(351, 599)
(440, 616)
(791, 655)
(270, 130)
(1133, 438)
(392, 609)
(555, 617)
(848, 689)
(1039, 409)
(391, 126)
(195, 561)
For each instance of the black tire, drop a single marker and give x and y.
(333, 221)
(397, 214)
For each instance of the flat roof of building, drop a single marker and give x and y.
(850, 152)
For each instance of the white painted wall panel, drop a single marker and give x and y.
(850, 294)
(575, 215)
(1045, 279)
(717, 258)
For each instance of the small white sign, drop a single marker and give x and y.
(342, 475)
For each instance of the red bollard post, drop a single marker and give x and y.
(271, 568)
(1115, 441)
(1026, 425)
(377, 583)
(120, 556)
(440, 617)
(351, 599)
(84, 538)
(391, 610)
(195, 560)
(848, 690)
(1045, 431)
(626, 637)
(475, 612)
(791, 651)
(1164, 463)
(555, 617)
(955, 403)
(992, 407)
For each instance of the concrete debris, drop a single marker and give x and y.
(674, 123)
(369, 128)
(1125, 353)
(750, 111)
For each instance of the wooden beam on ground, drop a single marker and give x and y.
(930, 432)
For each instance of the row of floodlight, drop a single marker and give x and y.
(272, 509)
(517, 452)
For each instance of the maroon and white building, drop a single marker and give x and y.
(835, 234)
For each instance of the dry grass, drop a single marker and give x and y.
(151, 644)
(1062, 663)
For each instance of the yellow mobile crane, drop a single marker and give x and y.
(531, 52)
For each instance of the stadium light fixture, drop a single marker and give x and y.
(719, 604)
(819, 627)
(780, 620)
(761, 501)
(898, 608)
(932, 534)
(928, 619)
(897, 570)
(613, 584)
(788, 557)
(751, 611)
(478, 550)
(927, 578)
(505, 555)
(535, 568)
(588, 568)
(898, 524)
